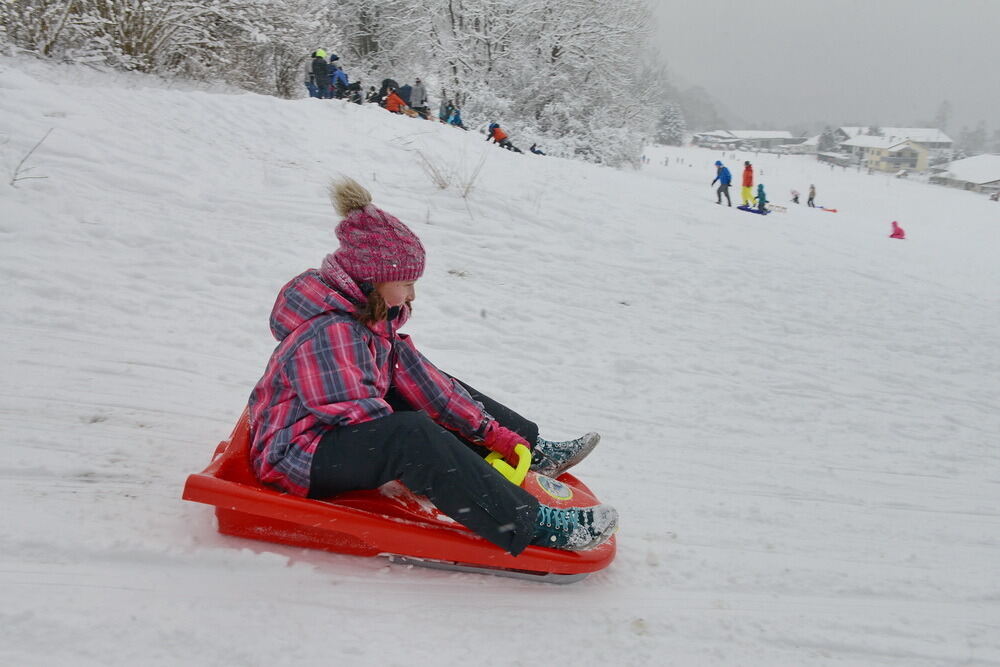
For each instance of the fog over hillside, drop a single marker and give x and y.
(785, 63)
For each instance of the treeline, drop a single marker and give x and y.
(255, 44)
(567, 72)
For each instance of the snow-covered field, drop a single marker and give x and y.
(800, 415)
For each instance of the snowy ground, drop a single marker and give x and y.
(800, 415)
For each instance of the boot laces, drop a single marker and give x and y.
(559, 519)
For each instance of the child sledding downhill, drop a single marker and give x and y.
(394, 103)
(455, 119)
(450, 114)
(498, 136)
(340, 363)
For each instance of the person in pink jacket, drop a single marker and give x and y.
(347, 402)
(897, 231)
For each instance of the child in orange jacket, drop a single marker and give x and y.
(394, 102)
(500, 138)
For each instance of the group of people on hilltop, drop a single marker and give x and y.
(413, 101)
(408, 100)
(450, 114)
(325, 79)
(725, 178)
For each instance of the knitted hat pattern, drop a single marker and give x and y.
(375, 246)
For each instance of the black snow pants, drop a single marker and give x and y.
(410, 447)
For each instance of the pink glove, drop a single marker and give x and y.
(502, 440)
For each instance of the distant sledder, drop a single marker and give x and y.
(393, 103)
(455, 119)
(499, 137)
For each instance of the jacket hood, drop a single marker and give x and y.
(317, 292)
(304, 297)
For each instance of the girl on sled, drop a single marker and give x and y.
(346, 402)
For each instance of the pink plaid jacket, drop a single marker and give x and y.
(330, 370)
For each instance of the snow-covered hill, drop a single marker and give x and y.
(800, 415)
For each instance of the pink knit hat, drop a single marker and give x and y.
(375, 246)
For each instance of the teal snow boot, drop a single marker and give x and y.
(574, 528)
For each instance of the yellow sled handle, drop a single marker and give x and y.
(514, 475)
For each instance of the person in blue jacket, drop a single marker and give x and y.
(339, 81)
(724, 178)
(456, 118)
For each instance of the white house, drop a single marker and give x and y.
(759, 139)
(887, 153)
(810, 145)
(980, 173)
(930, 138)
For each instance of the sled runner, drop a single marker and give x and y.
(389, 521)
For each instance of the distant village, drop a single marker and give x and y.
(902, 151)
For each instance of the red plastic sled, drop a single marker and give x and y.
(389, 521)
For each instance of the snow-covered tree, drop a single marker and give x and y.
(257, 44)
(827, 140)
(142, 35)
(671, 128)
(37, 26)
(548, 71)
(269, 44)
(942, 116)
(566, 73)
(994, 145)
(973, 141)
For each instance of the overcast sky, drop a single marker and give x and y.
(886, 62)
